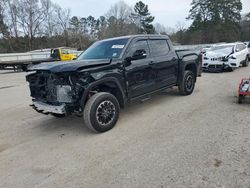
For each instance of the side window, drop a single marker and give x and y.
(243, 46)
(159, 47)
(248, 45)
(65, 52)
(139, 45)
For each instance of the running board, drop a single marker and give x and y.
(145, 99)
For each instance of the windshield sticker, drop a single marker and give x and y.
(118, 46)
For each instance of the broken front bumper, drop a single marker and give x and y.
(47, 108)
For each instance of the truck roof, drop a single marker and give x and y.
(135, 36)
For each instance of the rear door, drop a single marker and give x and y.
(164, 62)
(138, 71)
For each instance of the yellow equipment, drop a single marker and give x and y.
(62, 54)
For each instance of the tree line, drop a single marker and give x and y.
(216, 21)
(35, 24)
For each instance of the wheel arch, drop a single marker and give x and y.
(191, 67)
(109, 84)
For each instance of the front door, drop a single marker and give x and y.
(138, 71)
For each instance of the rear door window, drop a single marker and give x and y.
(159, 47)
(243, 46)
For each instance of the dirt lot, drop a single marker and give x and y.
(200, 140)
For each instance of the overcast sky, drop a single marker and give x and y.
(166, 12)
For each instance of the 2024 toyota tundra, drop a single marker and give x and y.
(109, 74)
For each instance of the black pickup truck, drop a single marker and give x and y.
(109, 74)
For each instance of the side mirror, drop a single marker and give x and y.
(139, 54)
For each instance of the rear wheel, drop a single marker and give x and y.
(187, 84)
(246, 62)
(101, 112)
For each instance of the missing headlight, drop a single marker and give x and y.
(64, 93)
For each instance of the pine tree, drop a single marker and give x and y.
(145, 18)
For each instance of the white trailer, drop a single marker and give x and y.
(20, 61)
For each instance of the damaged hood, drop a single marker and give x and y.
(219, 53)
(69, 66)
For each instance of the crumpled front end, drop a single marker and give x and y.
(55, 93)
(215, 63)
(219, 60)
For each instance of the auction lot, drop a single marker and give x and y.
(201, 140)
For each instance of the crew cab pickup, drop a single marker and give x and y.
(109, 74)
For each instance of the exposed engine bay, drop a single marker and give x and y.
(56, 92)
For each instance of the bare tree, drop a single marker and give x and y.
(121, 11)
(119, 20)
(12, 17)
(161, 29)
(63, 18)
(3, 26)
(30, 18)
(50, 23)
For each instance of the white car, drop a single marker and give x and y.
(248, 46)
(226, 56)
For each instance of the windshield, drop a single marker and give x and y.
(104, 50)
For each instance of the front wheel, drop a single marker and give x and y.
(101, 112)
(246, 62)
(186, 87)
(240, 99)
(58, 115)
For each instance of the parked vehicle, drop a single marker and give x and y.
(109, 74)
(226, 56)
(21, 61)
(248, 46)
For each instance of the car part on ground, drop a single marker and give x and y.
(244, 90)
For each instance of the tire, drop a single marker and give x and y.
(24, 68)
(187, 84)
(246, 62)
(240, 99)
(58, 115)
(107, 106)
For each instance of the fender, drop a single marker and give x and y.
(185, 63)
(101, 81)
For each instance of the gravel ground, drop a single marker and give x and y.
(200, 140)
